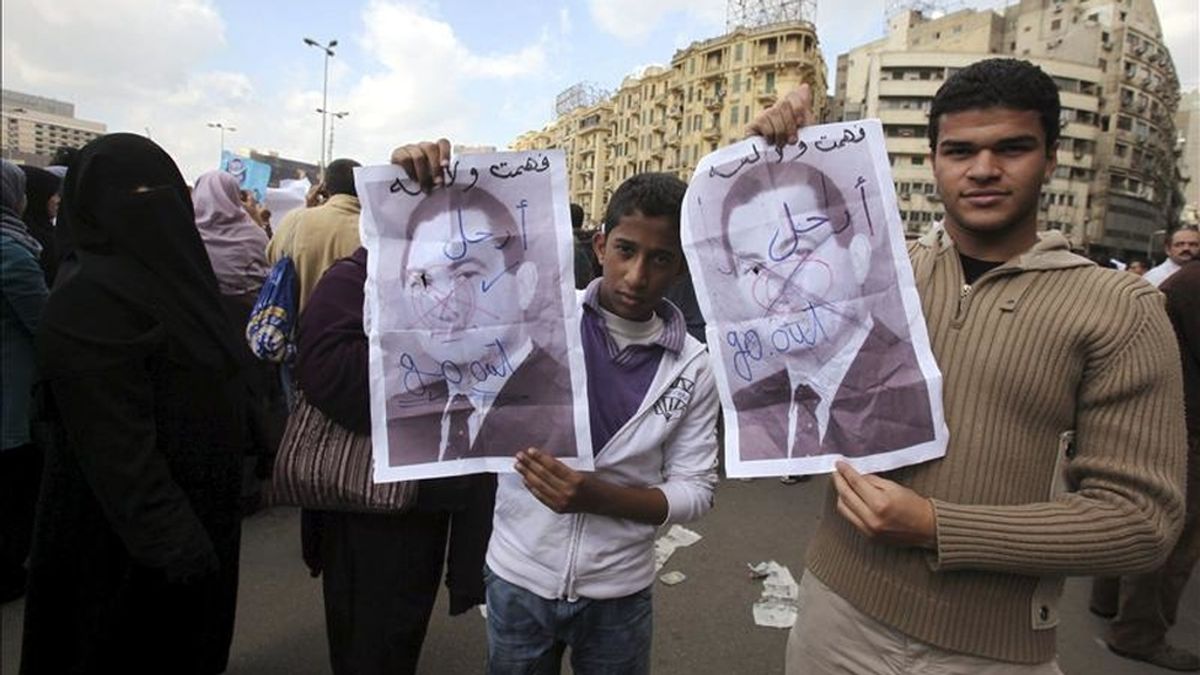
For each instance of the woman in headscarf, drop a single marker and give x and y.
(41, 207)
(135, 552)
(237, 248)
(23, 293)
(236, 245)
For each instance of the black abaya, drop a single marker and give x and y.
(135, 553)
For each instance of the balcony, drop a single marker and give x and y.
(711, 133)
(766, 97)
(714, 103)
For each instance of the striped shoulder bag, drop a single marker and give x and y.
(322, 465)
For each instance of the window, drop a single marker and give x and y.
(737, 52)
(1056, 24)
(918, 160)
(1124, 123)
(769, 85)
(772, 47)
(733, 115)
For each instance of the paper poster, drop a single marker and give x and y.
(814, 325)
(252, 175)
(471, 317)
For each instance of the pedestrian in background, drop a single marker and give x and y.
(23, 290)
(237, 249)
(41, 208)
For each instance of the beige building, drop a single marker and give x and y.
(1116, 179)
(32, 128)
(1187, 149)
(667, 118)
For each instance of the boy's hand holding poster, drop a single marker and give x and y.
(471, 317)
(820, 347)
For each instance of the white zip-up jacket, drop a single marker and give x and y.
(670, 443)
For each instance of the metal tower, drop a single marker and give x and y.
(755, 13)
(578, 95)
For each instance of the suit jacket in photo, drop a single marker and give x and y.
(882, 404)
(534, 408)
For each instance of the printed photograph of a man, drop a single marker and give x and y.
(815, 338)
(473, 342)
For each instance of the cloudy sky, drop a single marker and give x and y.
(476, 72)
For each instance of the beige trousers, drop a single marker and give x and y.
(832, 637)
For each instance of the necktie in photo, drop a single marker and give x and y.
(807, 441)
(458, 440)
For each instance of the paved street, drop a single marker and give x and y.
(703, 625)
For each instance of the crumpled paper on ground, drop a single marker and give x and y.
(673, 578)
(777, 607)
(676, 537)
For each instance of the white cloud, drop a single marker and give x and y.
(139, 65)
(121, 46)
(429, 85)
(634, 20)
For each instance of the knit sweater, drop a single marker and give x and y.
(1041, 346)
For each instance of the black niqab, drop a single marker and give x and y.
(134, 267)
(40, 186)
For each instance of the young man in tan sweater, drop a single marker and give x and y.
(1064, 402)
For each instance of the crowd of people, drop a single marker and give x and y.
(133, 410)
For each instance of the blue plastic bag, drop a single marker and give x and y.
(271, 330)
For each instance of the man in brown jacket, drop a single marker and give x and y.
(1061, 389)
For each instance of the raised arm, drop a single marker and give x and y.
(781, 123)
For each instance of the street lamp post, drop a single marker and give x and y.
(328, 49)
(336, 116)
(216, 125)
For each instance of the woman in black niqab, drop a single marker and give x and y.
(41, 187)
(134, 562)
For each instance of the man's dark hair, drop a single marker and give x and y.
(493, 216)
(998, 83)
(654, 195)
(63, 156)
(576, 216)
(1182, 228)
(339, 177)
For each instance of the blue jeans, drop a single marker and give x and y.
(527, 633)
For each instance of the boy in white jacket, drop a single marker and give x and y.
(571, 559)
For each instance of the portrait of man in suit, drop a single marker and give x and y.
(480, 372)
(821, 359)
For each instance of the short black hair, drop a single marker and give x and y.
(999, 83)
(576, 216)
(654, 195)
(339, 177)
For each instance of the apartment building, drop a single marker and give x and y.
(1116, 185)
(667, 117)
(1187, 151)
(32, 128)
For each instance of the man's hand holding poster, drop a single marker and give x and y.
(821, 353)
(471, 318)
